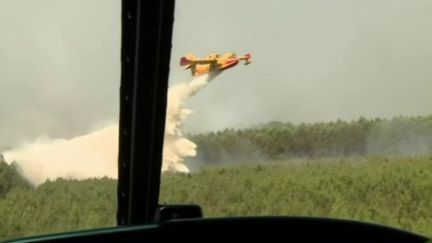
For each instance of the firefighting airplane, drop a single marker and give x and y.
(212, 62)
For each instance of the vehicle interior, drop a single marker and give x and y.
(146, 42)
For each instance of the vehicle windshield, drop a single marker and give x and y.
(282, 107)
(331, 118)
(60, 74)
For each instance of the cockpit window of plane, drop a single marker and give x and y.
(60, 74)
(331, 117)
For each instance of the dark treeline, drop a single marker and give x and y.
(278, 141)
(11, 179)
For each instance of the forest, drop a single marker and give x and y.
(377, 170)
(398, 136)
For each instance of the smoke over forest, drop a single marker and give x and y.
(95, 154)
(276, 141)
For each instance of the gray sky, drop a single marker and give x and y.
(313, 60)
(59, 67)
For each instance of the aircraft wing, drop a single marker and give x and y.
(204, 61)
(185, 62)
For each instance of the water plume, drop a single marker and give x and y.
(176, 146)
(95, 154)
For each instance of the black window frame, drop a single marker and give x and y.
(145, 58)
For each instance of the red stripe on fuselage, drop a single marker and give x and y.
(229, 64)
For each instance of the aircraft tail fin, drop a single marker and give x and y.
(186, 61)
(247, 58)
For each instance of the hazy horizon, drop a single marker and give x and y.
(312, 61)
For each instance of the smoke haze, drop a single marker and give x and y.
(313, 61)
(92, 155)
(400, 137)
(59, 67)
(95, 154)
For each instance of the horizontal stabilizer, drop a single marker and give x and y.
(247, 58)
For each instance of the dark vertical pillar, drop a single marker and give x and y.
(145, 55)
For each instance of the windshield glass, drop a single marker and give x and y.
(331, 116)
(60, 74)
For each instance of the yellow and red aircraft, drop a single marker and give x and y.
(212, 62)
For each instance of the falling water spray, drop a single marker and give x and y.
(95, 154)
